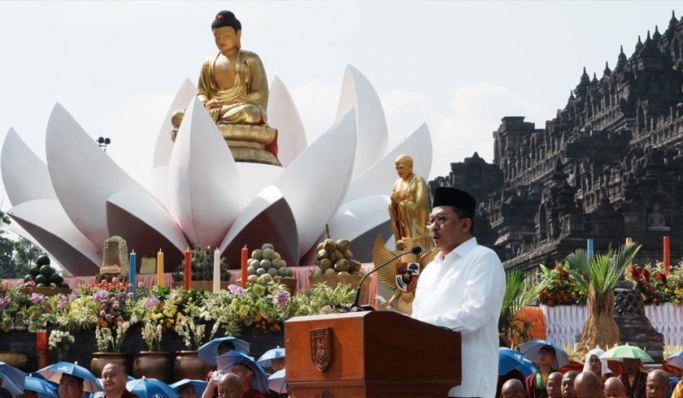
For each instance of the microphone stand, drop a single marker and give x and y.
(356, 307)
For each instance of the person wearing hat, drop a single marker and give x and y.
(536, 382)
(462, 289)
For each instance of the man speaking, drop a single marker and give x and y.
(463, 289)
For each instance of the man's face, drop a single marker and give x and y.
(631, 366)
(278, 364)
(245, 375)
(568, 386)
(657, 387)
(546, 358)
(513, 393)
(70, 388)
(227, 40)
(452, 233)
(188, 392)
(596, 365)
(229, 390)
(554, 386)
(113, 379)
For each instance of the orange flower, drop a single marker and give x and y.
(558, 282)
(168, 325)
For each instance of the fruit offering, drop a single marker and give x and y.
(336, 258)
(43, 275)
(267, 263)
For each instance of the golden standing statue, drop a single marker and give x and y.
(234, 89)
(409, 208)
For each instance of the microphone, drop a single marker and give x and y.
(355, 307)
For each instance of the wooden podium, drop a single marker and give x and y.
(370, 354)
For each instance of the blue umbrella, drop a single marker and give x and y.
(199, 385)
(530, 350)
(675, 359)
(228, 360)
(266, 359)
(41, 386)
(54, 373)
(209, 351)
(12, 379)
(509, 359)
(277, 382)
(527, 368)
(151, 388)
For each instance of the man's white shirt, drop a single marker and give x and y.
(464, 291)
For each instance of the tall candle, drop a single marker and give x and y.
(245, 257)
(160, 268)
(42, 348)
(629, 242)
(133, 270)
(667, 255)
(589, 249)
(187, 280)
(216, 270)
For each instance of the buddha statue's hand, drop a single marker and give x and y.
(213, 104)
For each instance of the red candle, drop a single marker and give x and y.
(42, 348)
(188, 269)
(245, 257)
(667, 255)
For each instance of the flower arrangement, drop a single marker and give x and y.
(75, 313)
(656, 285)
(19, 311)
(60, 341)
(191, 332)
(265, 305)
(561, 290)
(152, 334)
(116, 313)
(322, 299)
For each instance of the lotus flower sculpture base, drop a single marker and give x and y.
(248, 142)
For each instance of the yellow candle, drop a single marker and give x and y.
(160, 268)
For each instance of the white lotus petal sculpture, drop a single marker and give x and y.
(325, 184)
(25, 176)
(200, 196)
(47, 223)
(267, 218)
(206, 189)
(146, 224)
(380, 177)
(357, 93)
(83, 176)
(283, 115)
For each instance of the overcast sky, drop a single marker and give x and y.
(458, 66)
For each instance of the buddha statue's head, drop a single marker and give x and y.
(227, 31)
(404, 166)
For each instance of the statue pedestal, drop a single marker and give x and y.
(248, 142)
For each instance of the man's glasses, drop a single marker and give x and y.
(439, 220)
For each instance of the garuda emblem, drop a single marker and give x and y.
(321, 349)
(401, 275)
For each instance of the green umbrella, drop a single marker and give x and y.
(627, 351)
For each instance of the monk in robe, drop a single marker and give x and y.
(614, 388)
(409, 208)
(633, 378)
(232, 83)
(537, 381)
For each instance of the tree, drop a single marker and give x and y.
(16, 257)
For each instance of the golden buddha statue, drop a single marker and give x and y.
(409, 208)
(234, 89)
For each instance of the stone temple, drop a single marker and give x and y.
(607, 167)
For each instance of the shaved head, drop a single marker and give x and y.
(614, 388)
(588, 385)
(568, 384)
(554, 385)
(513, 388)
(657, 385)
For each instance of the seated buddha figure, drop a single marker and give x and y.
(234, 89)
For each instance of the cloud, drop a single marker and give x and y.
(317, 106)
(476, 113)
(405, 111)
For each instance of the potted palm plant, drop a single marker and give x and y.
(599, 276)
(519, 292)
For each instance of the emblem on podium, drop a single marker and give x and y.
(321, 349)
